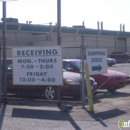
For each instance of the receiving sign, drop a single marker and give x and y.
(37, 65)
(97, 61)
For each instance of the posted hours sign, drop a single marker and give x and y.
(37, 65)
(97, 61)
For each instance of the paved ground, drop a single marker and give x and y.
(28, 115)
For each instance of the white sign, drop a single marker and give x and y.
(97, 61)
(37, 65)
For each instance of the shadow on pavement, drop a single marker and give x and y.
(106, 115)
(109, 114)
(105, 94)
(3, 107)
(119, 94)
(95, 117)
(44, 114)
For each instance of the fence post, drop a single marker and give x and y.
(83, 84)
(59, 40)
(0, 74)
(4, 53)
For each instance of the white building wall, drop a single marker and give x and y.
(121, 44)
(107, 43)
(67, 40)
(128, 44)
(90, 41)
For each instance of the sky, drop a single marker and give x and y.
(73, 12)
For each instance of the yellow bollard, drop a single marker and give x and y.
(89, 92)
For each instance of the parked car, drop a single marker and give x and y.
(111, 81)
(121, 57)
(111, 61)
(71, 86)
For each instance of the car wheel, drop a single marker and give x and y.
(50, 93)
(112, 90)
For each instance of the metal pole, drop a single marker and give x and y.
(59, 41)
(4, 53)
(83, 84)
(59, 22)
(0, 74)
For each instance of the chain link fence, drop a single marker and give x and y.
(72, 82)
(74, 87)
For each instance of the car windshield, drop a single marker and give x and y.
(9, 68)
(77, 64)
(64, 70)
